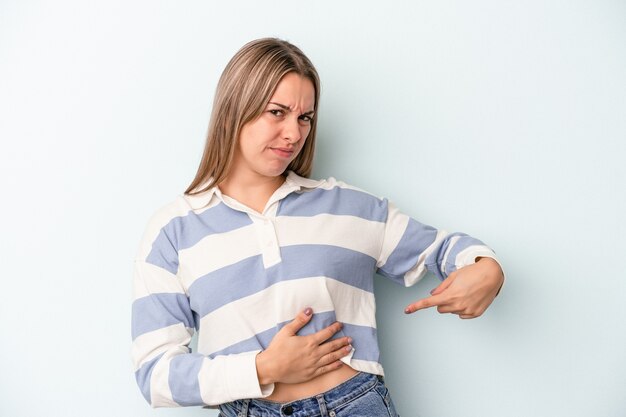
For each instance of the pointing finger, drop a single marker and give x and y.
(433, 300)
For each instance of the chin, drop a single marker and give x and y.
(272, 172)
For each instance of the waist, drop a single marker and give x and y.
(347, 391)
(289, 392)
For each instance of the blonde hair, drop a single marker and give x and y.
(244, 89)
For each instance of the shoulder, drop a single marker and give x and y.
(179, 206)
(163, 221)
(334, 197)
(328, 183)
(333, 182)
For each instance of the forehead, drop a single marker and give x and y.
(295, 91)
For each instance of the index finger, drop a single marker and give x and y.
(432, 301)
(326, 333)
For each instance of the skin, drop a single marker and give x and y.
(306, 365)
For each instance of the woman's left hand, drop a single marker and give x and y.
(466, 292)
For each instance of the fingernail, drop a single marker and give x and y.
(348, 348)
(407, 310)
(308, 311)
(349, 340)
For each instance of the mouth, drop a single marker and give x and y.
(282, 152)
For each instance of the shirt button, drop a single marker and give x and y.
(288, 410)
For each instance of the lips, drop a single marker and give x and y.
(283, 152)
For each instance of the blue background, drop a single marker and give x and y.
(504, 120)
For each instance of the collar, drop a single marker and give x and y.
(293, 182)
(302, 182)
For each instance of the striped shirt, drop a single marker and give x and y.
(210, 264)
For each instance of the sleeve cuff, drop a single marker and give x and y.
(242, 379)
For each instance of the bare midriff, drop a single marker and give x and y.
(289, 392)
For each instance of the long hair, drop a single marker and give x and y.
(244, 89)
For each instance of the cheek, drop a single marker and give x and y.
(252, 141)
(305, 132)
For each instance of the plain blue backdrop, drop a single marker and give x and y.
(504, 120)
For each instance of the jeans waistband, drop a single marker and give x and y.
(348, 390)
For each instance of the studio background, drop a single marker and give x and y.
(504, 120)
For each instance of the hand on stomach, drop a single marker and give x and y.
(302, 366)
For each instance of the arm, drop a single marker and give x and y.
(410, 249)
(168, 374)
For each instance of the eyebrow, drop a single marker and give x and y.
(287, 108)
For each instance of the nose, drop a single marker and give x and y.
(291, 131)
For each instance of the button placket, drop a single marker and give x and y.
(268, 241)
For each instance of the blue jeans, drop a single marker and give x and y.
(363, 395)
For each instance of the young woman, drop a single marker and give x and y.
(274, 270)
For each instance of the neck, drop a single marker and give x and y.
(239, 184)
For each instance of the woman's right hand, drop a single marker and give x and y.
(291, 358)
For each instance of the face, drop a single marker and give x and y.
(269, 143)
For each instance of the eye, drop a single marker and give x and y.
(276, 112)
(305, 118)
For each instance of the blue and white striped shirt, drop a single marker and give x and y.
(210, 264)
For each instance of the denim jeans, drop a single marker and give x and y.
(363, 395)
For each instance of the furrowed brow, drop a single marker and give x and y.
(282, 106)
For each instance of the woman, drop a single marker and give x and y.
(274, 269)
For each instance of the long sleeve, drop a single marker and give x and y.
(167, 372)
(409, 249)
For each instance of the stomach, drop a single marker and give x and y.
(289, 392)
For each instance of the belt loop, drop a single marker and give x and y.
(322, 404)
(244, 408)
